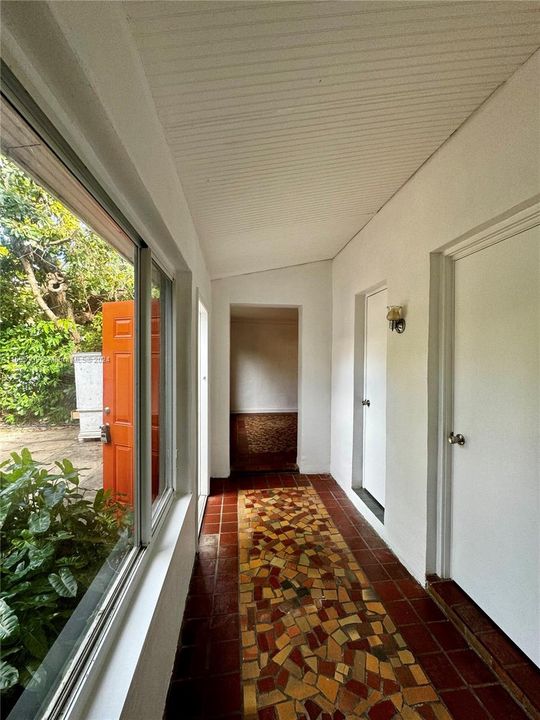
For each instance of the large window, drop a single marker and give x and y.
(72, 484)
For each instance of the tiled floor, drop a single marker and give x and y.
(498, 651)
(207, 677)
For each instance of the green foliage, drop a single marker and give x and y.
(53, 542)
(55, 274)
(36, 374)
(36, 226)
(91, 339)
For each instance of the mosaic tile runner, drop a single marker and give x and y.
(316, 640)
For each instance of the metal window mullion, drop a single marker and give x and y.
(143, 393)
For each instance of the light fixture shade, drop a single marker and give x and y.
(394, 312)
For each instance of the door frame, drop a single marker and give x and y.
(203, 484)
(441, 373)
(359, 381)
(299, 412)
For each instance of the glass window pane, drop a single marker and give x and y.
(161, 381)
(67, 349)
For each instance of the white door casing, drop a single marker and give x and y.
(494, 525)
(203, 480)
(374, 441)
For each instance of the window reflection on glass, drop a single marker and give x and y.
(161, 380)
(66, 424)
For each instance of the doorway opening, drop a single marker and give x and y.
(264, 389)
(203, 480)
(369, 444)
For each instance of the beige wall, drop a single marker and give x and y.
(264, 366)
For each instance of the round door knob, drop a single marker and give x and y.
(366, 403)
(456, 439)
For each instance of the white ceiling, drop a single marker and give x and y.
(292, 123)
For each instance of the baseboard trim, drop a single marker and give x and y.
(266, 411)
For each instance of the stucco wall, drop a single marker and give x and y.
(309, 288)
(264, 366)
(486, 168)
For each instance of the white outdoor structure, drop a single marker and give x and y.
(89, 393)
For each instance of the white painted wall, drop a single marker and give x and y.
(309, 288)
(264, 366)
(486, 168)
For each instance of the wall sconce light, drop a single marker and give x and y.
(395, 318)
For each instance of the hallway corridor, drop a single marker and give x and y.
(297, 609)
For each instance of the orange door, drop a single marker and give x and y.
(156, 364)
(118, 400)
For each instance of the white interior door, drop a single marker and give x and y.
(376, 333)
(495, 481)
(203, 479)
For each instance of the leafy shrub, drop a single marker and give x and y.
(53, 543)
(36, 374)
(91, 338)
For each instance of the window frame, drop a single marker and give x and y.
(160, 507)
(148, 520)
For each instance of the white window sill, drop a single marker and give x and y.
(112, 686)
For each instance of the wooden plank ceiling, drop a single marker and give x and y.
(292, 123)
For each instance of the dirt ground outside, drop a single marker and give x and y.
(48, 444)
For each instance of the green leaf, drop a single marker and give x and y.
(9, 676)
(39, 555)
(9, 622)
(5, 507)
(54, 494)
(64, 583)
(39, 522)
(35, 640)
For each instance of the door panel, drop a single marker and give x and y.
(118, 396)
(155, 393)
(495, 484)
(374, 475)
(118, 333)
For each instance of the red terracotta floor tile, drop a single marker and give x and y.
(387, 590)
(376, 572)
(195, 631)
(499, 703)
(527, 678)
(427, 610)
(185, 700)
(224, 658)
(441, 671)
(402, 612)
(502, 649)
(474, 618)
(411, 589)
(190, 662)
(463, 705)
(447, 636)
(224, 627)
(223, 696)
(473, 670)
(419, 639)
(198, 606)
(451, 593)
(225, 604)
